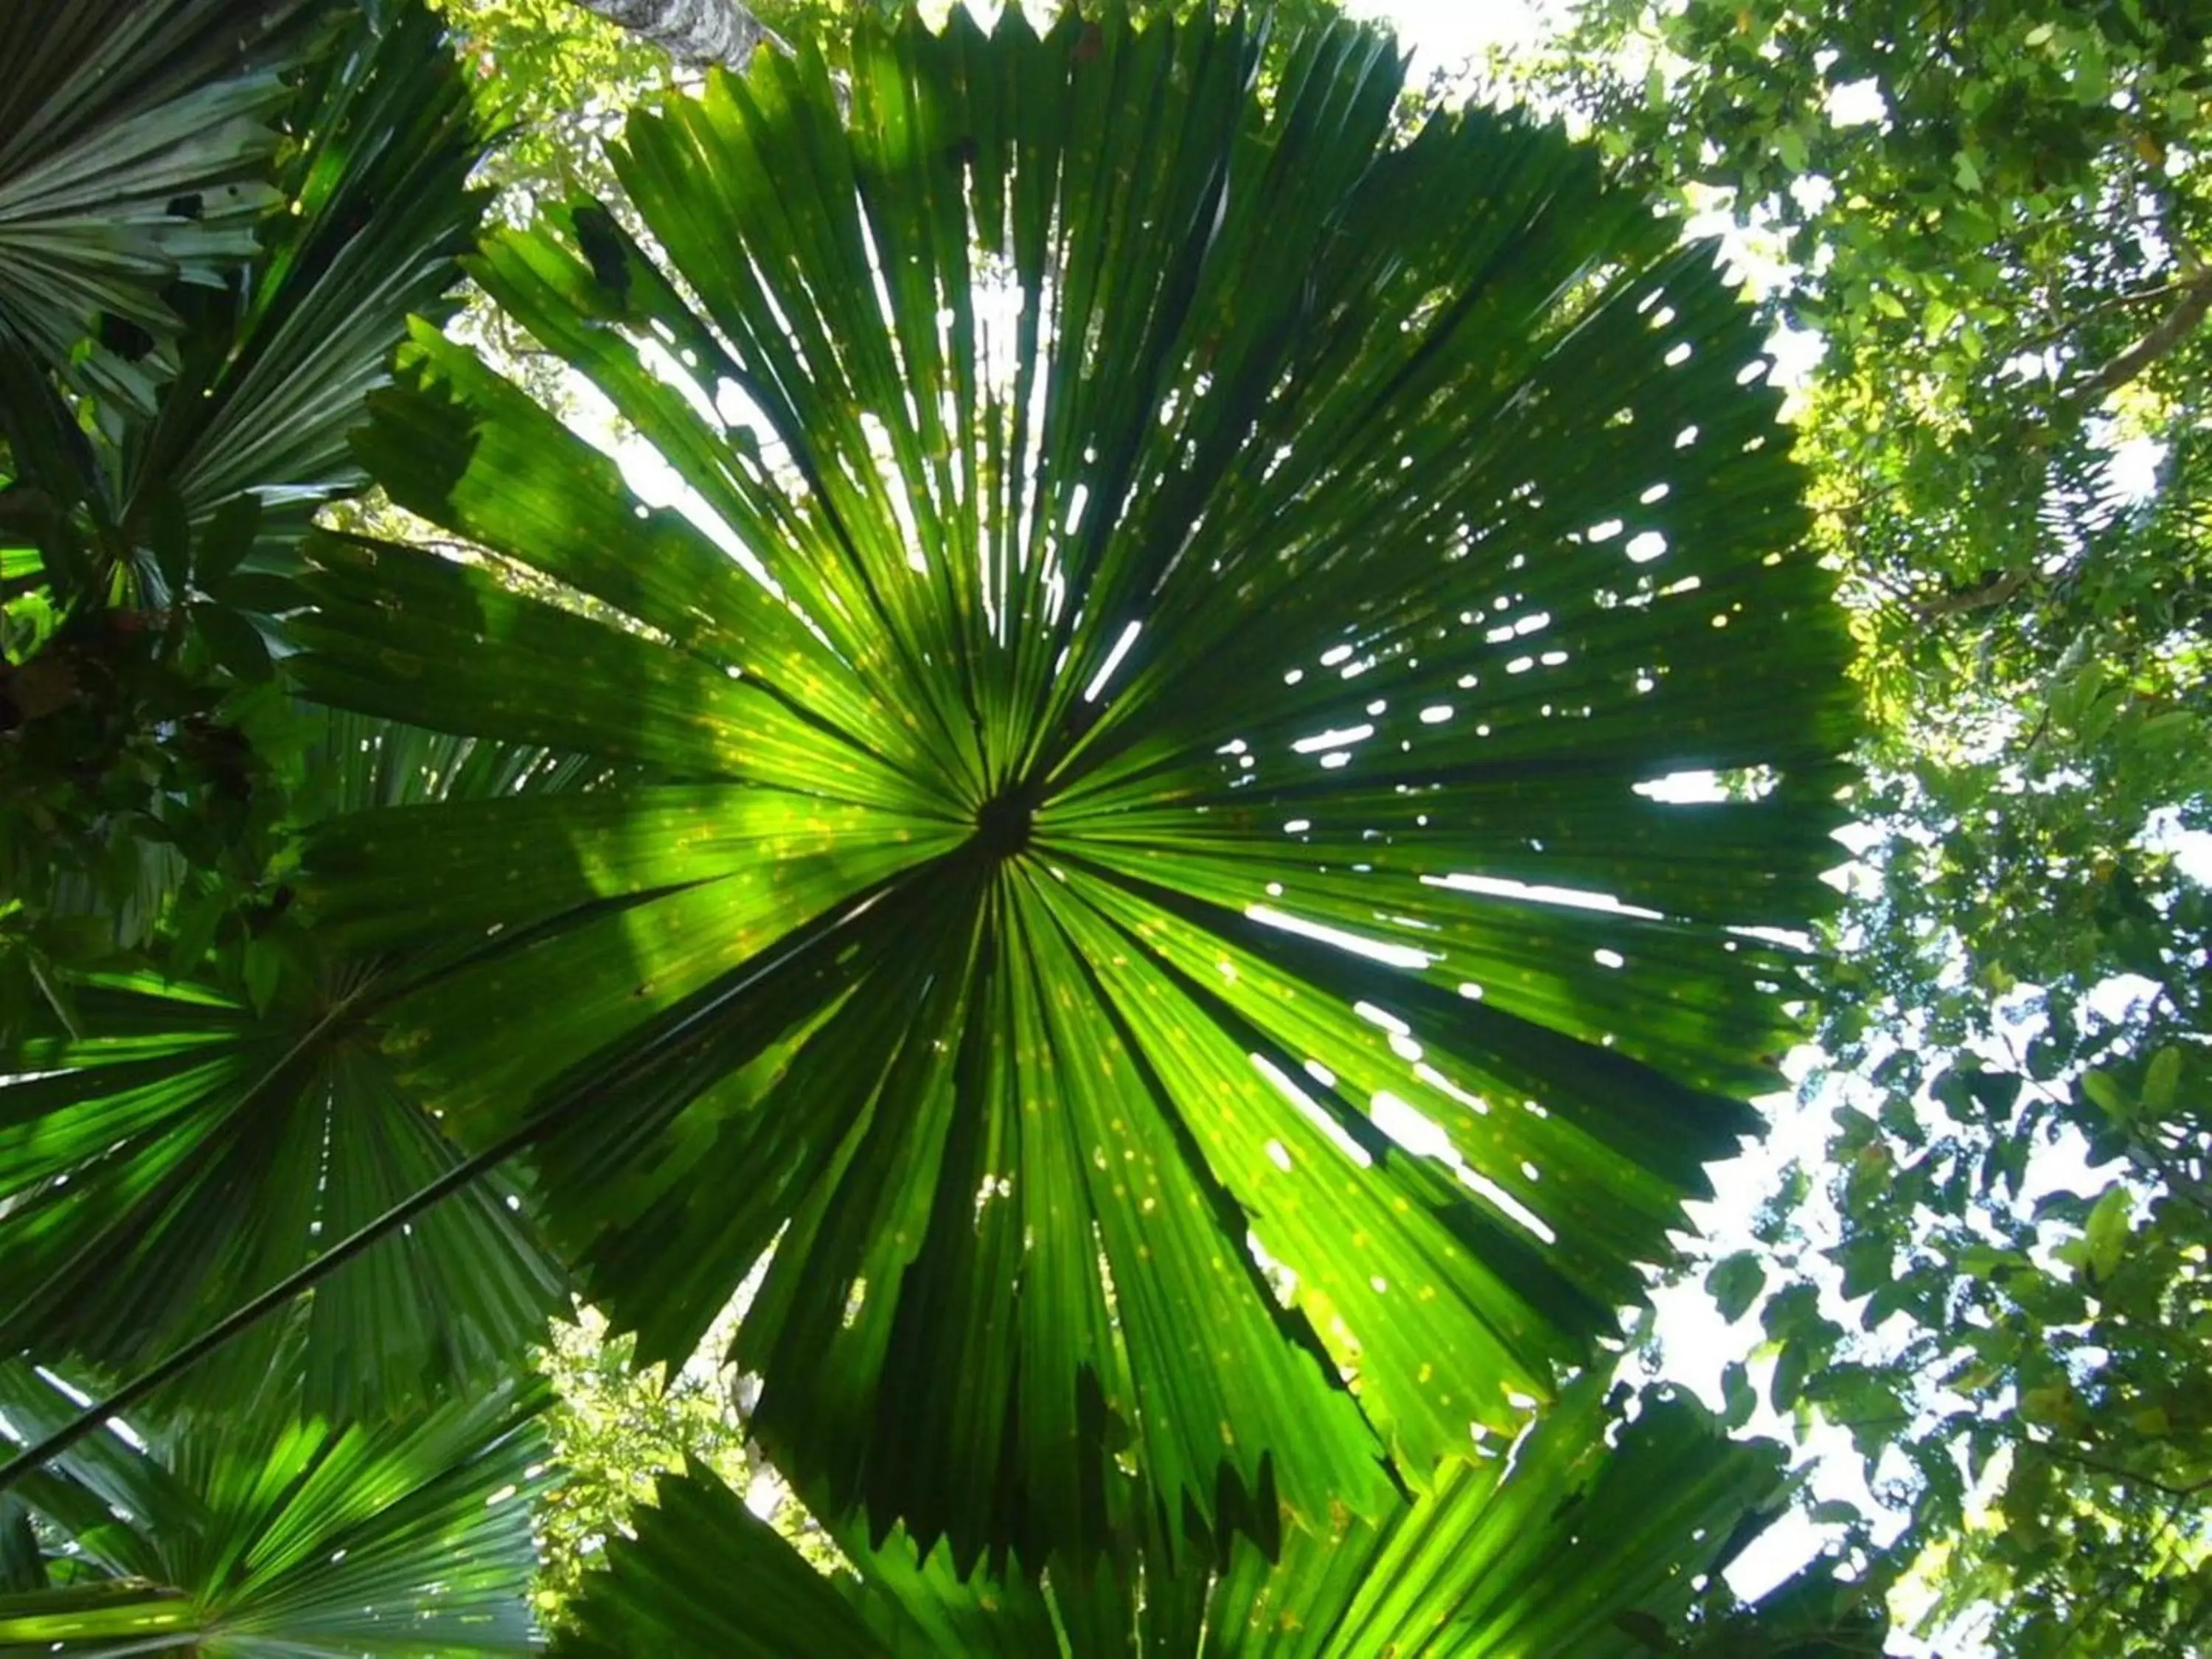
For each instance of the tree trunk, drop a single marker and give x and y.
(689, 31)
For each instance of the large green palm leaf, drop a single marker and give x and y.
(270, 1533)
(186, 1148)
(1139, 900)
(1594, 1539)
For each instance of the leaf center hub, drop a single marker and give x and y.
(1004, 822)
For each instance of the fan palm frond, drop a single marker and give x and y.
(135, 145)
(1142, 910)
(268, 1532)
(188, 1148)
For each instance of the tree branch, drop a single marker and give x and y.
(2059, 332)
(2119, 1471)
(1973, 599)
(691, 31)
(2177, 325)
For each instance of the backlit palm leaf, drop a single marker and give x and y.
(1188, 579)
(1571, 1546)
(189, 1149)
(268, 1534)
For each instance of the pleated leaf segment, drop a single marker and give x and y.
(1139, 909)
(1594, 1539)
(135, 140)
(382, 137)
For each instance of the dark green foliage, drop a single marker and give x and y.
(147, 760)
(205, 1134)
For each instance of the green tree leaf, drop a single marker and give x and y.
(1735, 1284)
(2162, 1080)
(2106, 1231)
(2105, 1092)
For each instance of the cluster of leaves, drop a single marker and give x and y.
(2023, 1367)
(143, 754)
(154, 485)
(615, 1427)
(2009, 1311)
(1995, 221)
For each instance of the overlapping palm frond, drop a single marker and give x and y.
(288, 319)
(269, 1532)
(135, 145)
(1142, 907)
(383, 137)
(201, 1136)
(1593, 1537)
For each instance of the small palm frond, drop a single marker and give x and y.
(377, 209)
(287, 309)
(191, 1148)
(267, 1533)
